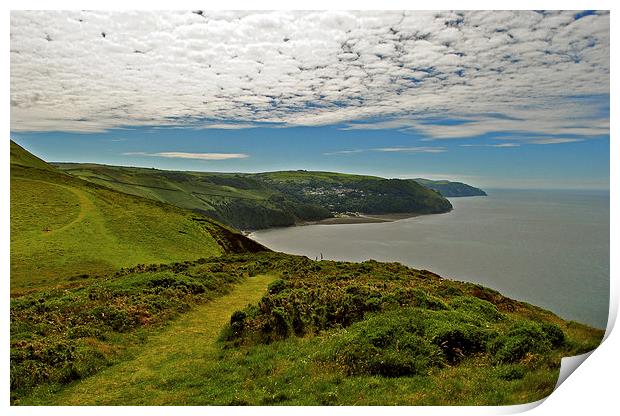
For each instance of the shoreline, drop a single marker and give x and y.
(362, 219)
(357, 219)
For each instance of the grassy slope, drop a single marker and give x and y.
(239, 200)
(320, 317)
(252, 201)
(64, 228)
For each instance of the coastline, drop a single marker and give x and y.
(349, 219)
(352, 219)
(362, 219)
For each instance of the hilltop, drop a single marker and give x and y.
(65, 229)
(271, 199)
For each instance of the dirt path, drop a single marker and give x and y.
(186, 346)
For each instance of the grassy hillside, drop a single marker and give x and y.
(239, 200)
(355, 193)
(314, 333)
(451, 189)
(254, 201)
(64, 229)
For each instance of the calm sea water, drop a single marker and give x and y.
(548, 248)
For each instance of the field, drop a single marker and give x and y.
(64, 229)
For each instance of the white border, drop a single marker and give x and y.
(592, 389)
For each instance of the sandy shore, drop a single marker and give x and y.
(363, 219)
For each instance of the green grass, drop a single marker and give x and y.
(310, 333)
(21, 157)
(64, 229)
(168, 365)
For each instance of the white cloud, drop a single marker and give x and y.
(553, 140)
(184, 155)
(344, 152)
(415, 149)
(492, 145)
(236, 69)
(228, 126)
(420, 149)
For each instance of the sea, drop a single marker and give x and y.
(546, 247)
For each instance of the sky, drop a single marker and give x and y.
(515, 99)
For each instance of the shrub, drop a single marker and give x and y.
(522, 339)
(422, 299)
(554, 334)
(457, 336)
(277, 286)
(385, 344)
(238, 316)
(478, 307)
(237, 323)
(117, 319)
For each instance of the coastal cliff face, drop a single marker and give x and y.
(272, 199)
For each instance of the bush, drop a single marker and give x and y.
(277, 286)
(117, 319)
(554, 334)
(238, 316)
(237, 323)
(385, 344)
(478, 307)
(522, 339)
(456, 335)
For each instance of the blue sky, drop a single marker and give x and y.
(516, 99)
(580, 164)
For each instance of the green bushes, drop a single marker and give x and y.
(554, 334)
(455, 324)
(366, 318)
(477, 307)
(62, 335)
(48, 360)
(412, 340)
(393, 321)
(457, 334)
(525, 338)
(118, 320)
(277, 286)
(406, 342)
(382, 345)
